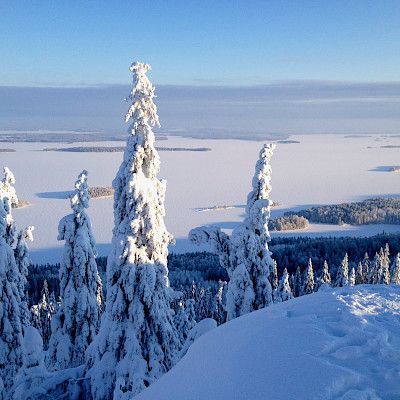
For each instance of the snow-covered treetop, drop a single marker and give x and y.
(8, 194)
(143, 110)
(6, 187)
(80, 198)
(262, 177)
(140, 153)
(8, 176)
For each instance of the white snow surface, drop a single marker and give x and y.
(307, 173)
(334, 344)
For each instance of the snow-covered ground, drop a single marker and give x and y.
(341, 344)
(320, 169)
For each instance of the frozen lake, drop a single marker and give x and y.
(321, 169)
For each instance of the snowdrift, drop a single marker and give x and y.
(336, 344)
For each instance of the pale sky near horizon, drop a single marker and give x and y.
(69, 43)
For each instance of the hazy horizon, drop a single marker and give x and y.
(291, 107)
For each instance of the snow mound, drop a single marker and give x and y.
(338, 344)
(197, 331)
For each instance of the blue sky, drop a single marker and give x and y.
(64, 43)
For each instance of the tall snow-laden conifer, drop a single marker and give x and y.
(42, 314)
(383, 272)
(137, 342)
(325, 278)
(352, 277)
(374, 269)
(23, 261)
(251, 239)
(273, 276)
(184, 318)
(10, 320)
(245, 254)
(342, 275)
(395, 278)
(298, 283)
(284, 289)
(309, 279)
(77, 320)
(359, 274)
(366, 268)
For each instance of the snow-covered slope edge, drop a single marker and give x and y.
(337, 344)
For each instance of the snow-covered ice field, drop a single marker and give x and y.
(321, 169)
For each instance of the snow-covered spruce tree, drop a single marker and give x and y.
(352, 277)
(386, 254)
(251, 238)
(374, 269)
(309, 279)
(298, 283)
(245, 254)
(77, 321)
(206, 304)
(42, 314)
(182, 323)
(220, 303)
(274, 280)
(284, 289)
(359, 274)
(190, 313)
(137, 341)
(325, 278)
(366, 268)
(10, 320)
(342, 275)
(21, 254)
(383, 274)
(291, 282)
(8, 194)
(395, 277)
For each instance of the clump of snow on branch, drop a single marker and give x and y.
(77, 321)
(137, 341)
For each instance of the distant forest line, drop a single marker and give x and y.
(366, 212)
(204, 268)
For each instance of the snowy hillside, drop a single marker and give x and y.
(340, 344)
